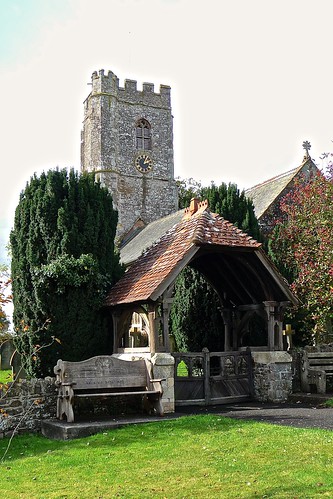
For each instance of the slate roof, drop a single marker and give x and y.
(151, 233)
(156, 268)
(264, 195)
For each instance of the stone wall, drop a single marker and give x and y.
(24, 404)
(272, 375)
(163, 368)
(108, 148)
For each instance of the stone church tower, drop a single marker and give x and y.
(127, 140)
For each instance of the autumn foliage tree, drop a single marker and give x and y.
(63, 261)
(301, 246)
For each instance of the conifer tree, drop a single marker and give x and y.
(63, 260)
(195, 319)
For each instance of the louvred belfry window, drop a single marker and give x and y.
(143, 134)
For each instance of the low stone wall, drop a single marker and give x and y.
(24, 404)
(163, 368)
(272, 376)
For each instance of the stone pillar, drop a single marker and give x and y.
(272, 376)
(163, 367)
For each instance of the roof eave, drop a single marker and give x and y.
(275, 274)
(159, 290)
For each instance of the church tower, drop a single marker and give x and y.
(127, 141)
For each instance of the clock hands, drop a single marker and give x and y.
(144, 163)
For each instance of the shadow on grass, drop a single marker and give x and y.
(154, 433)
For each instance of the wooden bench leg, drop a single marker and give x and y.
(159, 407)
(153, 404)
(65, 404)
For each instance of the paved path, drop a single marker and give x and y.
(298, 415)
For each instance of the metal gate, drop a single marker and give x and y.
(208, 378)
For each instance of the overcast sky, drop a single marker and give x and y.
(251, 80)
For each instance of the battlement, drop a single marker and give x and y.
(108, 83)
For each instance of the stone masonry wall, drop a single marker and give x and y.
(163, 368)
(24, 404)
(272, 376)
(108, 148)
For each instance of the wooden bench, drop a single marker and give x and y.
(105, 376)
(316, 366)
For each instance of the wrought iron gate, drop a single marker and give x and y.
(208, 378)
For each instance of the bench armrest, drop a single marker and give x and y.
(157, 380)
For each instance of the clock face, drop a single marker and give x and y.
(143, 163)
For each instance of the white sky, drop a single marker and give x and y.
(251, 80)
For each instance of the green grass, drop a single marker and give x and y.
(192, 457)
(5, 376)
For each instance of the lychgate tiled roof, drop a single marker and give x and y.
(154, 270)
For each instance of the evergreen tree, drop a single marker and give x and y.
(233, 205)
(63, 261)
(5, 298)
(195, 319)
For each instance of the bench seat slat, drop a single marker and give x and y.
(115, 394)
(313, 355)
(322, 367)
(322, 363)
(96, 383)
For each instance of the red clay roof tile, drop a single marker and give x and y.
(154, 266)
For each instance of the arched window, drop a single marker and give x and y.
(143, 134)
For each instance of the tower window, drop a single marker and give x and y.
(143, 134)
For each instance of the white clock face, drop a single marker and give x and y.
(143, 163)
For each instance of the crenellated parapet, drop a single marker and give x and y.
(108, 83)
(113, 139)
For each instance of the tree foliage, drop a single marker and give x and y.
(63, 261)
(195, 318)
(5, 298)
(187, 189)
(232, 204)
(301, 246)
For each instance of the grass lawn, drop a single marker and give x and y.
(204, 456)
(5, 375)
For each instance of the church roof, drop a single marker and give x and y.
(144, 239)
(151, 274)
(264, 195)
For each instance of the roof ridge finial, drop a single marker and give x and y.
(307, 146)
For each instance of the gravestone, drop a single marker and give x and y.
(16, 364)
(6, 351)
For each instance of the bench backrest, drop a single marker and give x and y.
(320, 360)
(103, 372)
